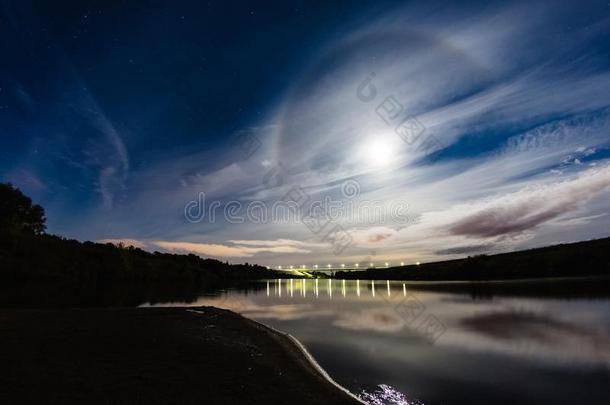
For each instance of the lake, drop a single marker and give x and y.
(392, 343)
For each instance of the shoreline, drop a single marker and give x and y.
(155, 355)
(312, 361)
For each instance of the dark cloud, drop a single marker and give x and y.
(502, 221)
(529, 208)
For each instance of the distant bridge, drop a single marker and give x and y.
(328, 268)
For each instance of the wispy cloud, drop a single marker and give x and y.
(529, 208)
(519, 107)
(237, 250)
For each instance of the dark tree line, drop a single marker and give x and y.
(589, 258)
(28, 254)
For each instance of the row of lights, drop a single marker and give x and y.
(357, 265)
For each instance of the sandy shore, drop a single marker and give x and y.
(154, 355)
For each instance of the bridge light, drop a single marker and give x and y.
(291, 267)
(402, 263)
(386, 264)
(357, 265)
(303, 266)
(279, 267)
(342, 265)
(315, 266)
(328, 266)
(417, 263)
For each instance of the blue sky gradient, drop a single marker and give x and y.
(116, 115)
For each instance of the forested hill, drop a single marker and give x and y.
(27, 253)
(588, 258)
(52, 258)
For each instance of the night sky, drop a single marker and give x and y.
(117, 115)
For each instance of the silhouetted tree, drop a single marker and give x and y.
(27, 254)
(17, 213)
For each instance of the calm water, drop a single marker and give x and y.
(390, 344)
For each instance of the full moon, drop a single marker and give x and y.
(378, 152)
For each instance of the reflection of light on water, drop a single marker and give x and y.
(347, 288)
(484, 334)
(386, 395)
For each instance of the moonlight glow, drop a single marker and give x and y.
(378, 151)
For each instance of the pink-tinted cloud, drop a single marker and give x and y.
(529, 208)
(221, 250)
